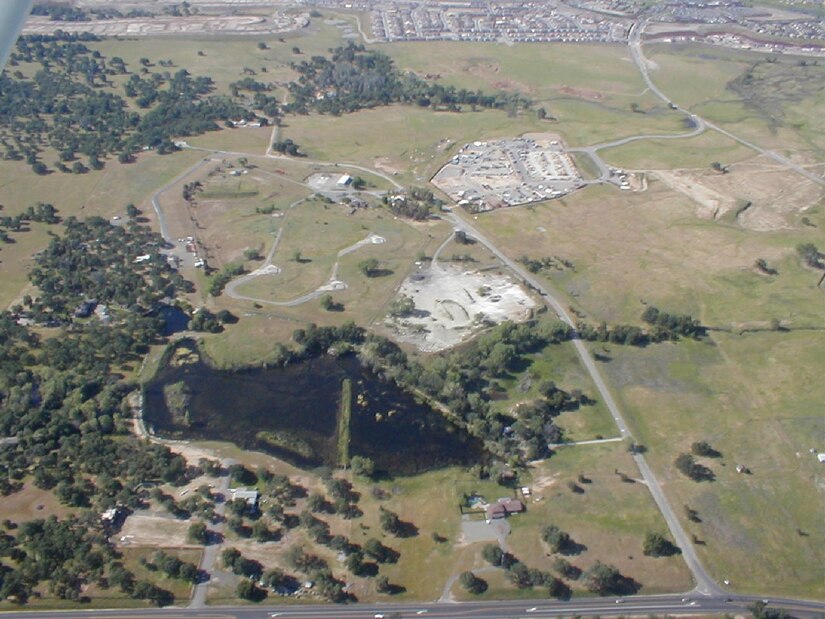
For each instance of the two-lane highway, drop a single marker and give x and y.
(511, 609)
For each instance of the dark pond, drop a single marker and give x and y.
(293, 413)
(174, 320)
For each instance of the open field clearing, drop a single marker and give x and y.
(747, 389)
(253, 140)
(651, 247)
(539, 71)
(695, 152)
(770, 103)
(314, 233)
(146, 529)
(32, 502)
(742, 396)
(365, 300)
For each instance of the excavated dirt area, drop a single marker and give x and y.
(758, 194)
(452, 304)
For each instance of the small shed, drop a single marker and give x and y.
(250, 496)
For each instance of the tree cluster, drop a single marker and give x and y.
(657, 545)
(686, 465)
(522, 576)
(97, 260)
(66, 106)
(810, 255)
(415, 203)
(662, 327)
(353, 78)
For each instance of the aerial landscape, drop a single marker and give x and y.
(387, 308)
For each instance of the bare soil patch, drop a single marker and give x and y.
(756, 194)
(710, 204)
(385, 164)
(153, 530)
(451, 305)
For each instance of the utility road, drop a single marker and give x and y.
(704, 583)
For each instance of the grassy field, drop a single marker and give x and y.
(540, 71)
(696, 152)
(104, 193)
(774, 108)
(609, 520)
(746, 389)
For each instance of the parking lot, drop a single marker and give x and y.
(494, 174)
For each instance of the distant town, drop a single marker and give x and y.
(731, 23)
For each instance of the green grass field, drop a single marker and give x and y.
(695, 152)
(610, 519)
(747, 390)
(775, 109)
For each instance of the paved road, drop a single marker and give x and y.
(704, 583)
(210, 553)
(604, 172)
(521, 609)
(635, 43)
(164, 231)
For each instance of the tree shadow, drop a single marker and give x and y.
(572, 548)
(625, 585)
(406, 529)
